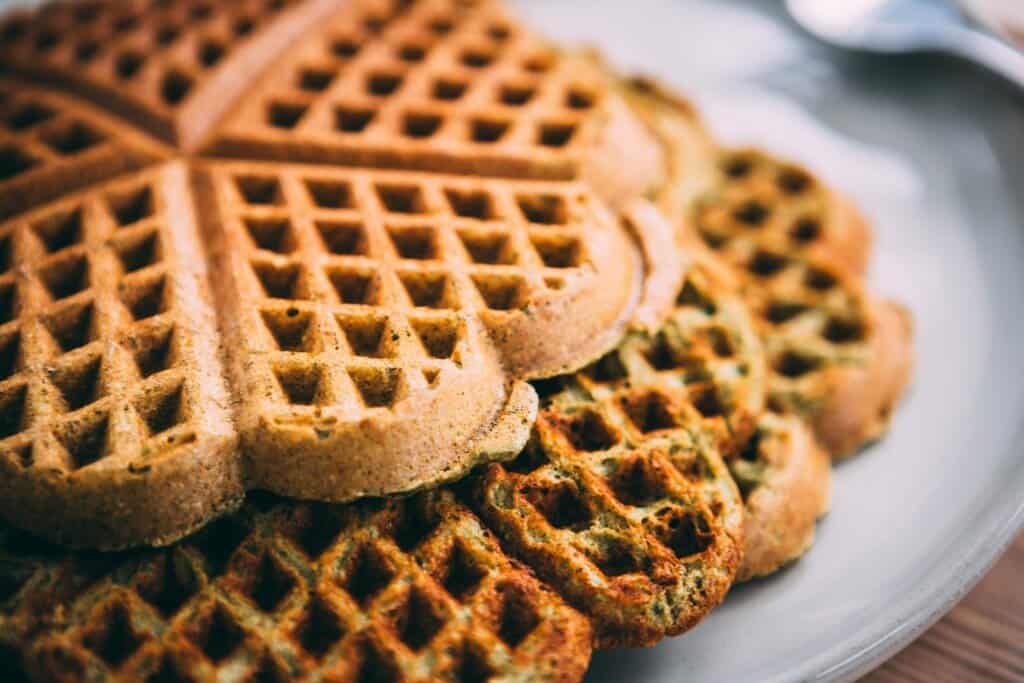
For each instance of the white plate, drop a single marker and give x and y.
(932, 150)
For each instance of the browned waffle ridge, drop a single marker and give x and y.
(171, 67)
(51, 144)
(621, 499)
(442, 86)
(404, 590)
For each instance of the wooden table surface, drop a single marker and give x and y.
(982, 639)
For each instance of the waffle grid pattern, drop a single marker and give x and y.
(412, 590)
(815, 320)
(622, 489)
(813, 314)
(709, 345)
(48, 143)
(438, 81)
(353, 295)
(765, 205)
(624, 505)
(381, 275)
(837, 357)
(108, 48)
(154, 54)
(97, 356)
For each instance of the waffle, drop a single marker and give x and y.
(621, 499)
(411, 590)
(748, 200)
(171, 67)
(710, 344)
(444, 86)
(362, 306)
(785, 479)
(690, 153)
(764, 203)
(111, 400)
(838, 357)
(50, 144)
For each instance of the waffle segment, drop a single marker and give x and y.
(761, 203)
(362, 306)
(839, 358)
(50, 144)
(113, 401)
(411, 590)
(442, 86)
(624, 505)
(621, 499)
(172, 68)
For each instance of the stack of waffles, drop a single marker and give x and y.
(385, 341)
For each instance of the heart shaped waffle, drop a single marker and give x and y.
(352, 333)
(357, 310)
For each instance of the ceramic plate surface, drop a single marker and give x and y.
(931, 149)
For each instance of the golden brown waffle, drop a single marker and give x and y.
(445, 86)
(171, 67)
(363, 307)
(50, 144)
(621, 499)
(412, 590)
(763, 203)
(786, 481)
(113, 413)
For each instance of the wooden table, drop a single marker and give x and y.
(982, 639)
